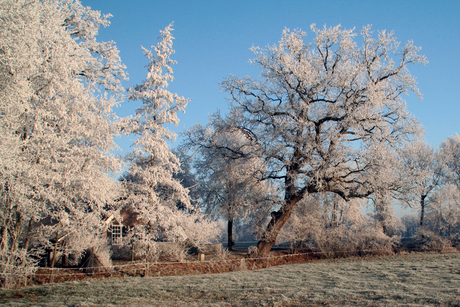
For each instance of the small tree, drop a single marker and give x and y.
(449, 154)
(229, 184)
(423, 171)
(442, 227)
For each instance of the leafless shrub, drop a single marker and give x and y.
(432, 241)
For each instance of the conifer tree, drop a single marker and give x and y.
(153, 191)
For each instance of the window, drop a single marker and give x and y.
(117, 234)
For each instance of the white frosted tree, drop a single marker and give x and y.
(443, 216)
(228, 182)
(423, 172)
(322, 111)
(57, 127)
(442, 226)
(387, 180)
(153, 192)
(449, 154)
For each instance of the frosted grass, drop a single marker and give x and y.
(409, 280)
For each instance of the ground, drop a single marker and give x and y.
(403, 280)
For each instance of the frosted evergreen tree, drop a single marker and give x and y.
(153, 192)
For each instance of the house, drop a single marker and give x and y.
(117, 230)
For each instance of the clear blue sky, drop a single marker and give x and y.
(213, 40)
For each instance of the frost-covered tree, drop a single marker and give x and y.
(442, 226)
(228, 183)
(387, 181)
(423, 172)
(321, 112)
(57, 127)
(443, 212)
(152, 191)
(449, 154)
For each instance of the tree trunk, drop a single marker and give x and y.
(132, 252)
(5, 244)
(28, 235)
(279, 218)
(230, 234)
(6, 224)
(422, 213)
(53, 261)
(382, 217)
(5, 238)
(422, 209)
(17, 231)
(334, 222)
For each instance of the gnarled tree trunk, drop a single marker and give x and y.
(279, 218)
(265, 244)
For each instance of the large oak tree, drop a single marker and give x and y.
(323, 114)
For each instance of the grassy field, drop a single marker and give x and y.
(404, 280)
